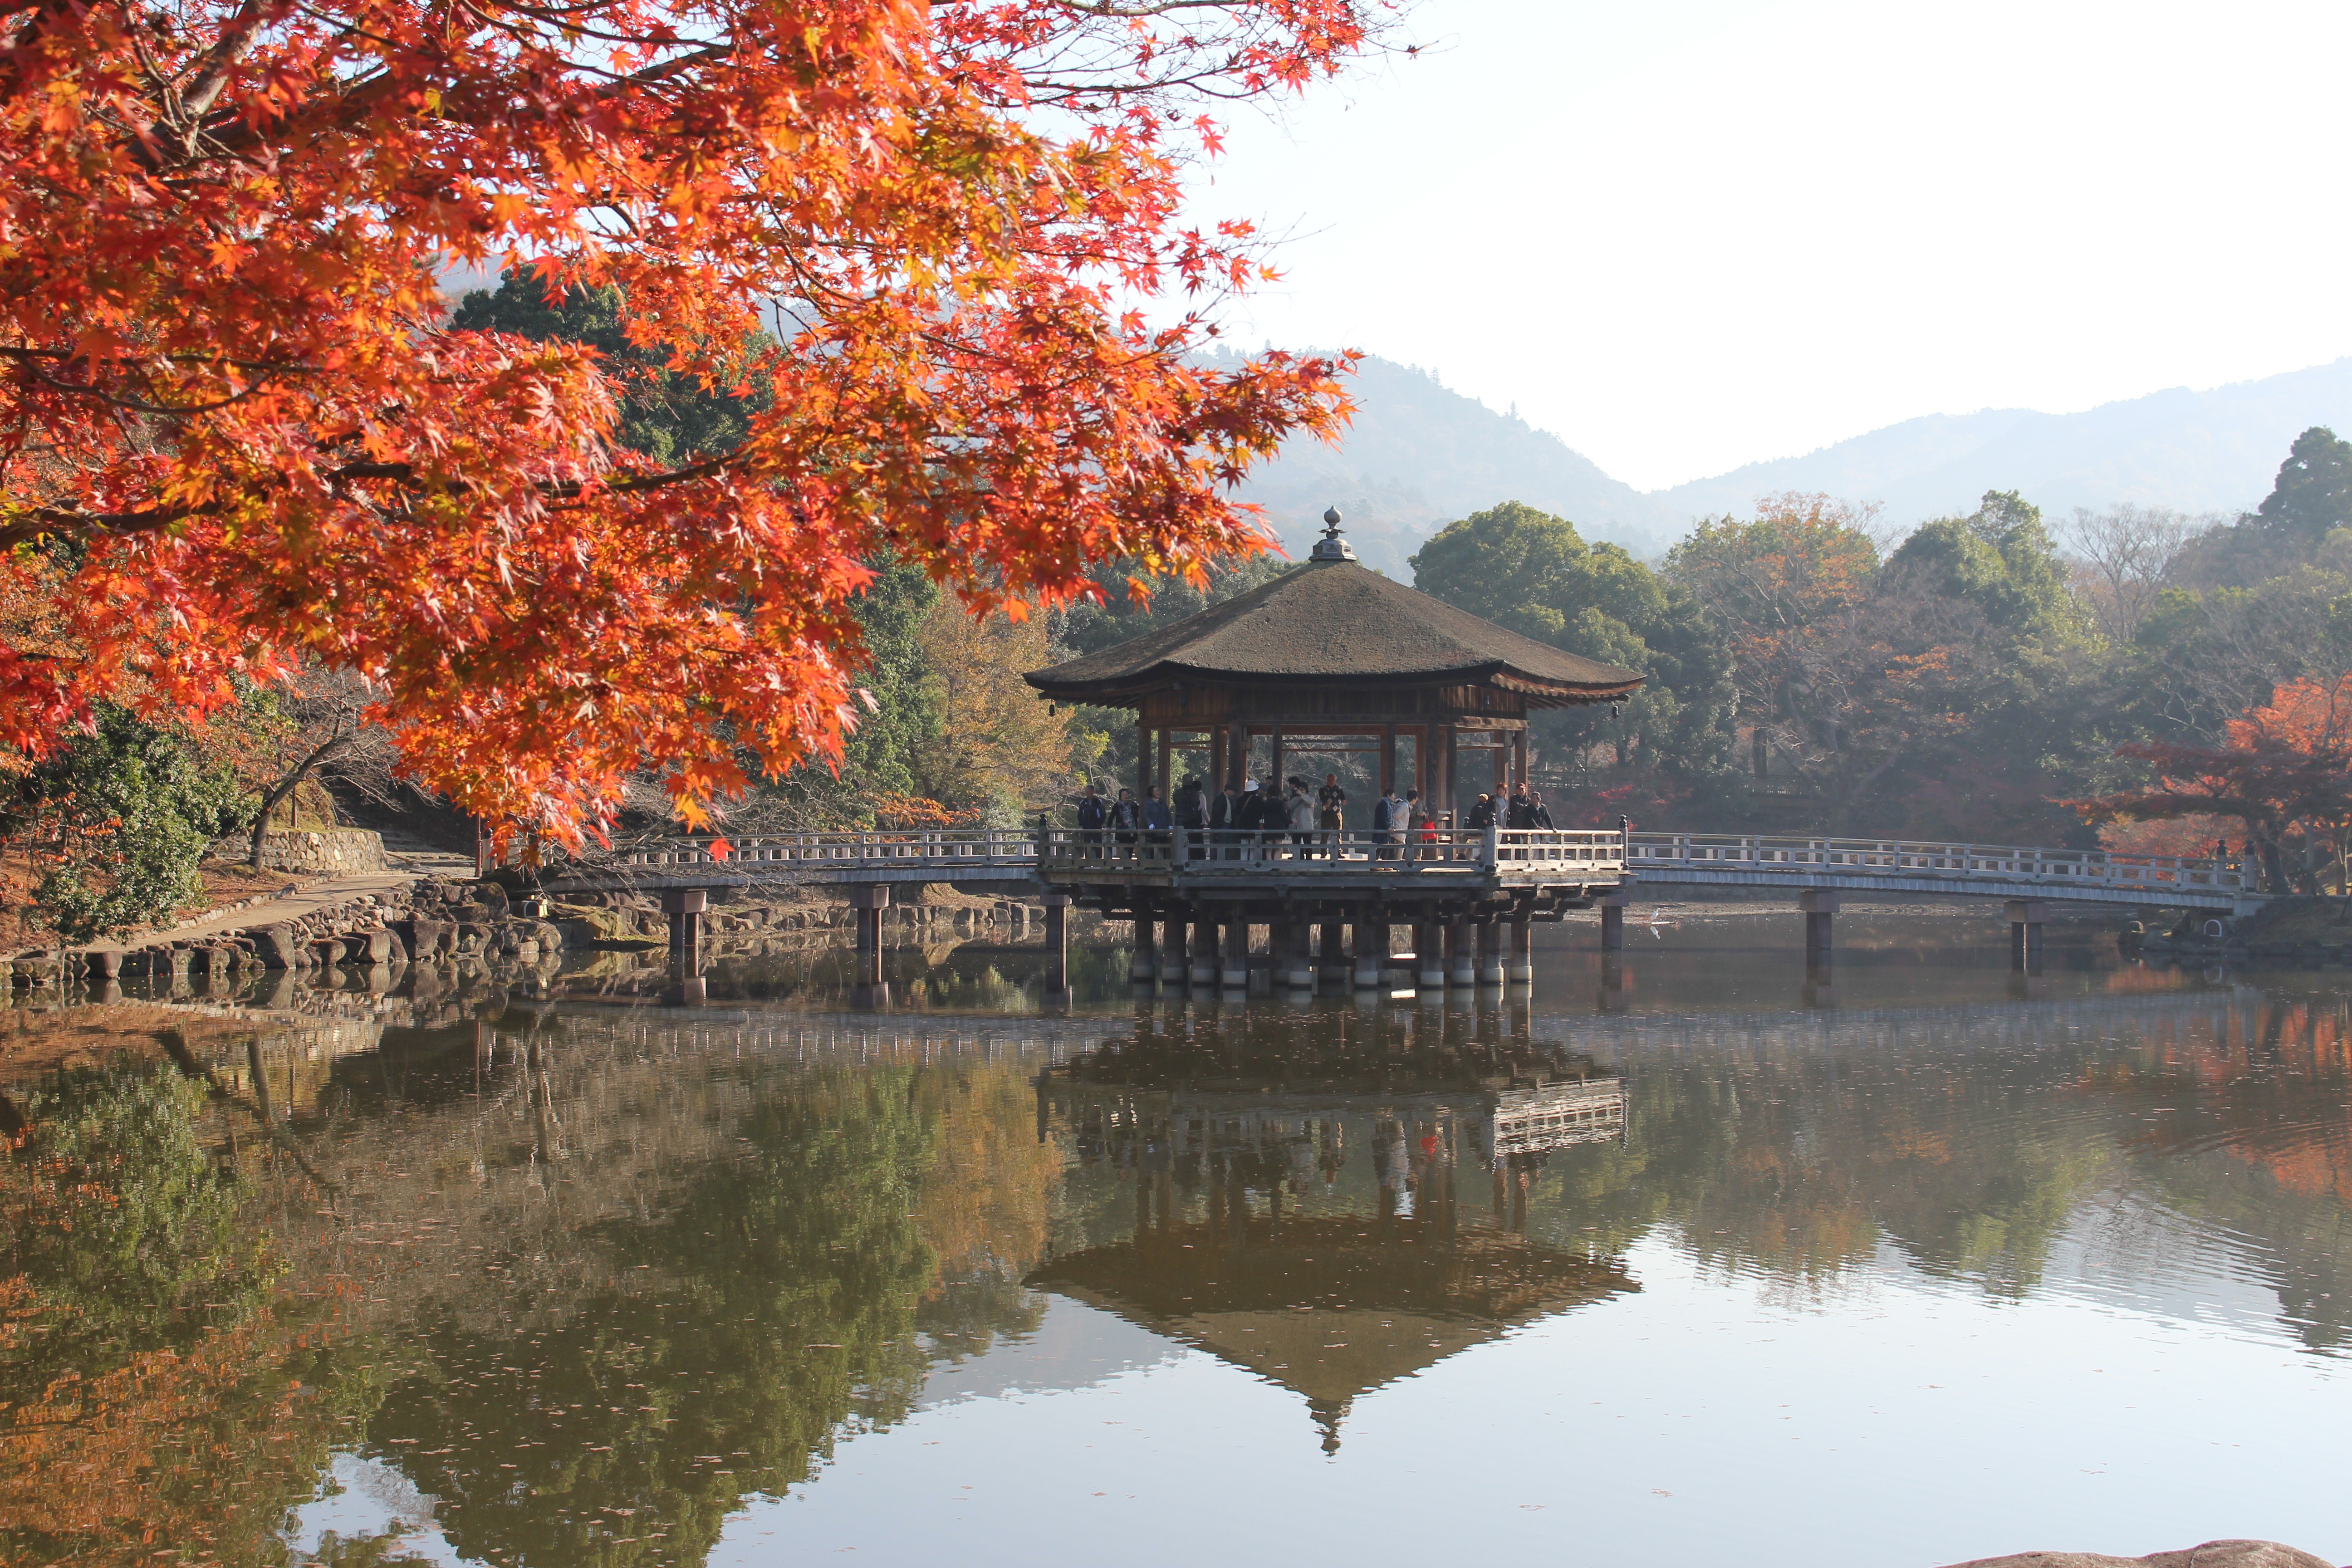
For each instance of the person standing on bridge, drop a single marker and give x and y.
(1301, 812)
(1384, 825)
(1539, 814)
(1331, 807)
(1156, 822)
(1192, 816)
(1092, 816)
(1421, 828)
(1224, 817)
(1519, 812)
(1126, 821)
(1482, 816)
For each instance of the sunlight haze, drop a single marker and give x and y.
(1688, 237)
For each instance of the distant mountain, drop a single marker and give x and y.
(2193, 451)
(1419, 456)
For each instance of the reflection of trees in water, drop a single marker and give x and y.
(156, 1388)
(770, 1305)
(2257, 1141)
(1794, 1151)
(769, 1251)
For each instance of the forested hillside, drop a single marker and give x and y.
(1420, 455)
(2127, 675)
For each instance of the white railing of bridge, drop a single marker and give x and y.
(950, 847)
(1578, 854)
(1575, 853)
(1650, 853)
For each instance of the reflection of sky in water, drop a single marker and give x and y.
(1897, 1420)
(367, 1499)
(1957, 1265)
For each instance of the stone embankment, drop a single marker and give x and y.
(2306, 931)
(438, 919)
(328, 852)
(427, 921)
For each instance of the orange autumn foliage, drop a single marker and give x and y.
(234, 417)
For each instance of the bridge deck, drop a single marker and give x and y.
(1973, 870)
(1026, 861)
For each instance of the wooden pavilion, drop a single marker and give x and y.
(1336, 653)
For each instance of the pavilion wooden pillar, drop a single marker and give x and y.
(1450, 767)
(1237, 752)
(1144, 756)
(1166, 780)
(1388, 761)
(1273, 779)
(1519, 758)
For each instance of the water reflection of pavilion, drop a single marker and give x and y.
(1330, 1220)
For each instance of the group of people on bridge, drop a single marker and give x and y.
(1250, 813)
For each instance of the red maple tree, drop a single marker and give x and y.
(2286, 763)
(235, 425)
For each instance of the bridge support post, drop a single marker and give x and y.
(1204, 951)
(1490, 952)
(685, 905)
(868, 902)
(1371, 946)
(1175, 960)
(1297, 964)
(1233, 957)
(1616, 985)
(1144, 966)
(1613, 922)
(1057, 943)
(1461, 964)
(1428, 954)
(1330, 953)
(1523, 950)
(1819, 906)
(2025, 920)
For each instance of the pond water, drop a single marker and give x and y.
(1681, 1258)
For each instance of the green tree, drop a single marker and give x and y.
(1999, 559)
(2311, 498)
(117, 821)
(1534, 573)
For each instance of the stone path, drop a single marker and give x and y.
(292, 905)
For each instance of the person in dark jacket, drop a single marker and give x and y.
(1520, 811)
(1384, 825)
(1126, 821)
(1331, 807)
(1539, 814)
(1157, 821)
(1192, 816)
(1093, 814)
(1481, 814)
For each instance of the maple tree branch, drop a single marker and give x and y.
(37, 523)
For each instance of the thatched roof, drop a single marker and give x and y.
(1334, 621)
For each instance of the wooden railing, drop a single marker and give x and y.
(950, 847)
(1579, 854)
(1077, 854)
(1651, 853)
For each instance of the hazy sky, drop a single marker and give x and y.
(1685, 235)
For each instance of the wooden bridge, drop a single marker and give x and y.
(1030, 862)
(1459, 889)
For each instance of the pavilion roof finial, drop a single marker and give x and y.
(1331, 547)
